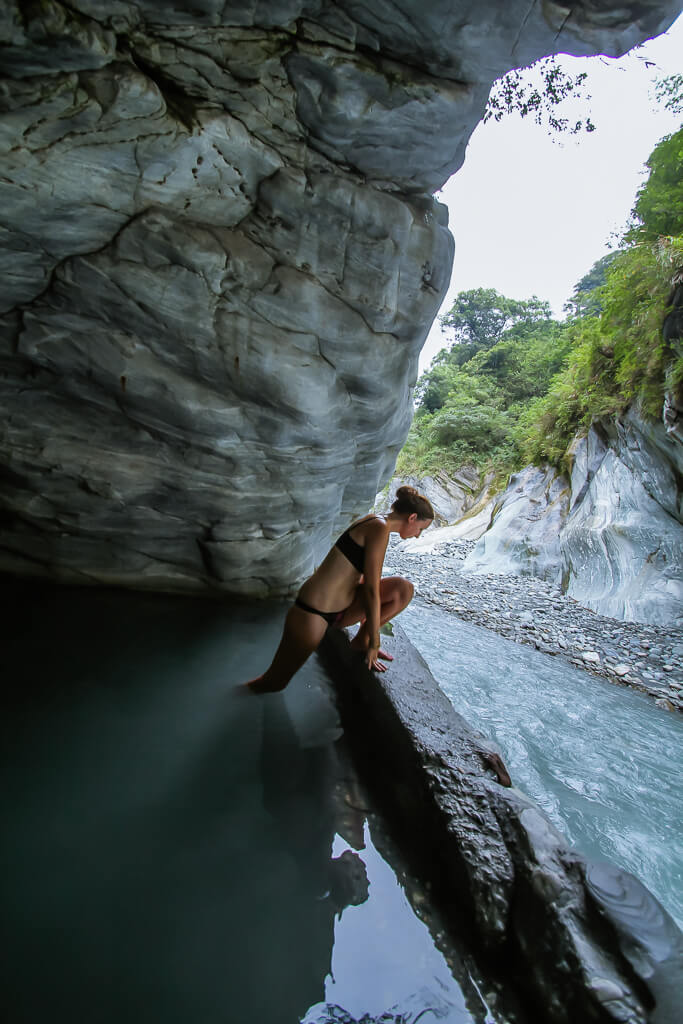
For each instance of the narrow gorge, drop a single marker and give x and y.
(220, 257)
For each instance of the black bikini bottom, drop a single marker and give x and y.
(331, 617)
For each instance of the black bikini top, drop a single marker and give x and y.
(351, 549)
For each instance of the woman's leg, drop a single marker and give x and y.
(395, 593)
(301, 636)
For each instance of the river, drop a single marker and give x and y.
(602, 761)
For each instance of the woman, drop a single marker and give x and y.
(348, 588)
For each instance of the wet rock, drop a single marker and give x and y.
(649, 938)
(491, 853)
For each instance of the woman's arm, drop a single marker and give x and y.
(376, 540)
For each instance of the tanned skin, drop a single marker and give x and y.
(367, 599)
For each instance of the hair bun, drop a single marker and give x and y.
(408, 500)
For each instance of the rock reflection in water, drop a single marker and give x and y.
(424, 1006)
(175, 852)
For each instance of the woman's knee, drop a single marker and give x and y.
(406, 591)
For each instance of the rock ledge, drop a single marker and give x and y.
(586, 941)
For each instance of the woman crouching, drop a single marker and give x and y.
(348, 588)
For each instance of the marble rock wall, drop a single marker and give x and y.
(219, 259)
(622, 544)
(612, 536)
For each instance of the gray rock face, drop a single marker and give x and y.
(586, 941)
(451, 497)
(219, 260)
(615, 544)
(622, 545)
(525, 531)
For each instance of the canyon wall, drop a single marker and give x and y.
(220, 257)
(611, 536)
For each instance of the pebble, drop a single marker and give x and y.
(530, 610)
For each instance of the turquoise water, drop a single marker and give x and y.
(604, 763)
(173, 852)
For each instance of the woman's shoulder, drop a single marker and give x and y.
(371, 528)
(371, 522)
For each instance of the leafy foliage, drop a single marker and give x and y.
(659, 203)
(669, 91)
(537, 91)
(515, 386)
(476, 322)
(469, 406)
(618, 353)
(586, 299)
(479, 317)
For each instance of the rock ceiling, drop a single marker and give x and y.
(220, 259)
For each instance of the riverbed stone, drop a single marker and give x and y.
(512, 606)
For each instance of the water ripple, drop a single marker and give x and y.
(602, 761)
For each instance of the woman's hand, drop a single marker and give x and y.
(371, 659)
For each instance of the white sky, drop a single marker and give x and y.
(532, 212)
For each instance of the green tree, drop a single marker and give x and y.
(621, 357)
(433, 387)
(659, 203)
(478, 318)
(586, 299)
(515, 386)
(525, 361)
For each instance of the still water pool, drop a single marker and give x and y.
(173, 852)
(604, 763)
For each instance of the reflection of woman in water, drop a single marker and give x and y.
(348, 588)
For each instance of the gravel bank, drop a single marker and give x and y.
(529, 610)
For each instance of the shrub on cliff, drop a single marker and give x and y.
(515, 386)
(619, 355)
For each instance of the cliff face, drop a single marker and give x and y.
(612, 535)
(220, 258)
